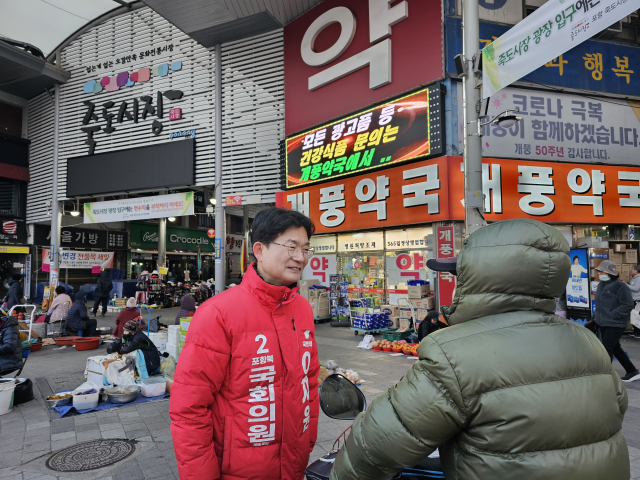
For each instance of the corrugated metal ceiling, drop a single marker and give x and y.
(220, 21)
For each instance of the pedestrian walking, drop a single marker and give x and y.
(613, 306)
(15, 293)
(509, 390)
(244, 402)
(187, 308)
(634, 286)
(101, 294)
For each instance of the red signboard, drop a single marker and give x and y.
(445, 243)
(344, 55)
(433, 190)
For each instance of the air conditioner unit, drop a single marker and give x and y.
(612, 31)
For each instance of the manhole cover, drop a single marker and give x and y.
(90, 455)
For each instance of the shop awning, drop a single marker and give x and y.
(220, 21)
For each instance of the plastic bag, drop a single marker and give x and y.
(330, 365)
(635, 317)
(85, 387)
(168, 366)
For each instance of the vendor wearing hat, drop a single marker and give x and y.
(15, 293)
(134, 339)
(613, 306)
(129, 313)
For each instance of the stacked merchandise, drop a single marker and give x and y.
(364, 317)
(343, 307)
(334, 295)
(184, 327)
(150, 289)
(173, 341)
(421, 301)
(319, 300)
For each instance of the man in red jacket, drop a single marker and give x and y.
(244, 404)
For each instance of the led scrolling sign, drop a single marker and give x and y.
(398, 131)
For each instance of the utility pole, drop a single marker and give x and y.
(55, 206)
(219, 207)
(474, 198)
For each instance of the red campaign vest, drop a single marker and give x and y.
(244, 404)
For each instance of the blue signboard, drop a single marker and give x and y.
(578, 285)
(592, 65)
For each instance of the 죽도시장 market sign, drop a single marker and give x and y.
(398, 131)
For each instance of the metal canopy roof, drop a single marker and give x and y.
(219, 21)
(26, 75)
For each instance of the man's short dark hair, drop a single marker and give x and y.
(60, 290)
(270, 223)
(636, 268)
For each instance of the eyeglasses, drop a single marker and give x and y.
(293, 250)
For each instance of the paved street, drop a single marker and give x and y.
(30, 433)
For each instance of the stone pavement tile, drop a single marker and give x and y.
(146, 407)
(38, 476)
(91, 427)
(111, 426)
(130, 426)
(138, 433)
(155, 420)
(39, 433)
(27, 457)
(112, 412)
(634, 453)
(62, 444)
(8, 472)
(129, 414)
(163, 406)
(128, 471)
(14, 477)
(108, 420)
(64, 428)
(36, 446)
(36, 426)
(86, 419)
(114, 434)
(86, 436)
(165, 445)
(160, 432)
(61, 436)
(158, 473)
(145, 439)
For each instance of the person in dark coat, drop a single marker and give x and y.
(10, 345)
(431, 323)
(187, 306)
(134, 339)
(78, 319)
(613, 306)
(105, 285)
(15, 293)
(129, 313)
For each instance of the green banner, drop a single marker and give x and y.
(145, 237)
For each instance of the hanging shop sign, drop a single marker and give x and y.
(405, 267)
(554, 28)
(13, 231)
(503, 11)
(593, 65)
(9, 249)
(409, 239)
(323, 244)
(320, 267)
(79, 259)
(234, 243)
(433, 190)
(578, 295)
(562, 127)
(360, 242)
(398, 131)
(445, 243)
(338, 56)
(74, 237)
(159, 206)
(145, 237)
(152, 51)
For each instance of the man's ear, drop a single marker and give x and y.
(258, 251)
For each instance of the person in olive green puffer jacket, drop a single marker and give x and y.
(509, 391)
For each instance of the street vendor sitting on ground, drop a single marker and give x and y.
(134, 339)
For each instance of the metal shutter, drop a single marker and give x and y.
(40, 132)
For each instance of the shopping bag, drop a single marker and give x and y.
(635, 316)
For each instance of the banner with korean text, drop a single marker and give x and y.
(554, 28)
(561, 127)
(433, 190)
(126, 209)
(445, 242)
(79, 259)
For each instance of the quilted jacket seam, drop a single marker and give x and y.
(502, 328)
(532, 452)
(464, 411)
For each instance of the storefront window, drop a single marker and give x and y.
(407, 255)
(8, 197)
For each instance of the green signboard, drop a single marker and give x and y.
(145, 237)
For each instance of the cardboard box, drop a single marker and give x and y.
(406, 323)
(421, 314)
(392, 310)
(624, 276)
(616, 258)
(588, 242)
(631, 256)
(619, 248)
(317, 292)
(404, 313)
(303, 287)
(426, 302)
(418, 291)
(626, 268)
(395, 322)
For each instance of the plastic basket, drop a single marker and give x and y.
(391, 334)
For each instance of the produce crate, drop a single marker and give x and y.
(391, 335)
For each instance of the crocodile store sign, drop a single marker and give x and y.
(145, 237)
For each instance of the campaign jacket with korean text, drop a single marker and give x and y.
(244, 404)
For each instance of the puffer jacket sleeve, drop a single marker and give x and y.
(621, 392)
(314, 400)
(199, 375)
(10, 341)
(625, 302)
(407, 422)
